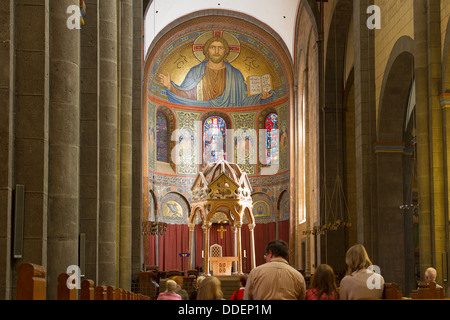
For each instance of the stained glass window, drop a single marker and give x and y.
(272, 142)
(214, 138)
(161, 137)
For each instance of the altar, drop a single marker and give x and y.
(222, 265)
(222, 194)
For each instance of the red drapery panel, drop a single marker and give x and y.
(264, 233)
(151, 251)
(226, 242)
(283, 230)
(199, 243)
(176, 241)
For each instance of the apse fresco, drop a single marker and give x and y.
(211, 89)
(261, 209)
(217, 69)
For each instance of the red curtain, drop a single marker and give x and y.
(176, 241)
(199, 243)
(151, 251)
(283, 230)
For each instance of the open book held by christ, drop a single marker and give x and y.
(259, 84)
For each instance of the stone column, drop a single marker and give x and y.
(251, 228)
(206, 228)
(235, 250)
(107, 143)
(64, 121)
(445, 104)
(126, 73)
(7, 41)
(191, 245)
(137, 136)
(31, 124)
(436, 134)
(292, 166)
(365, 129)
(239, 246)
(422, 123)
(89, 138)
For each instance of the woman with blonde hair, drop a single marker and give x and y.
(210, 289)
(360, 282)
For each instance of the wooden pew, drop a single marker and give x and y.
(427, 291)
(101, 293)
(87, 290)
(31, 283)
(63, 292)
(111, 293)
(146, 285)
(391, 292)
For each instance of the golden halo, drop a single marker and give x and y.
(233, 42)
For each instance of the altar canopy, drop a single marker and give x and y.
(222, 189)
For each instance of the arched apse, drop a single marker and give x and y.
(255, 50)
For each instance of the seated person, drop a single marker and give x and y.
(360, 283)
(170, 294)
(323, 284)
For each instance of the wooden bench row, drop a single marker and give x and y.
(424, 291)
(31, 285)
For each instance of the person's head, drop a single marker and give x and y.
(210, 289)
(357, 259)
(323, 279)
(171, 286)
(275, 249)
(430, 275)
(178, 280)
(243, 281)
(216, 49)
(199, 281)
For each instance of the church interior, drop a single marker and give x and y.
(164, 136)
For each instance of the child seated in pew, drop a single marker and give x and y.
(323, 284)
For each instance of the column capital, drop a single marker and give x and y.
(393, 148)
(206, 225)
(444, 100)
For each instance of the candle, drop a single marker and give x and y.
(203, 254)
(245, 254)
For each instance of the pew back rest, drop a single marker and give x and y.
(31, 282)
(427, 291)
